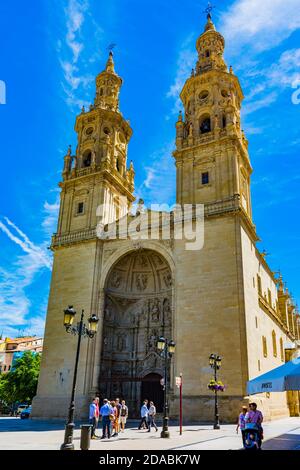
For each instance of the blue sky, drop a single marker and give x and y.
(52, 51)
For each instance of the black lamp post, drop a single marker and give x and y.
(166, 349)
(81, 330)
(215, 363)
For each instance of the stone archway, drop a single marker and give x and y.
(138, 309)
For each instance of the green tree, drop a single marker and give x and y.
(20, 384)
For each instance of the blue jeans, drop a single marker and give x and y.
(106, 426)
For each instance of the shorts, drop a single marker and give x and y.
(123, 419)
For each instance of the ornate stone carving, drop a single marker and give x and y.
(168, 279)
(116, 279)
(155, 310)
(141, 281)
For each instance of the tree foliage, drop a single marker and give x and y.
(20, 384)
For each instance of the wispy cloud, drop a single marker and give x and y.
(15, 304)
(71, 52)
(158, 186)
(187, 58)
(259, 25)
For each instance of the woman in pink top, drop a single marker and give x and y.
(256, 417)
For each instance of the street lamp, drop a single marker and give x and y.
(166, 349)
(81, 330)
(215, 363)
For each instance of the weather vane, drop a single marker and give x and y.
(209, 9)
(111, 47)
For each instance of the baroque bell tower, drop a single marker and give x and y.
(211, 153)
(97, 185)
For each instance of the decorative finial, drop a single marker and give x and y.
(110, 67)
(208, 10)
(180, 116)
(83, 109)
(230, 69)
(69, 150)
(111, 47)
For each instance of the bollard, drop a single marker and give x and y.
(85, 438)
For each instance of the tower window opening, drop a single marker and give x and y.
(106, 131)
(205, 178)
(224, 121)
(207, 53)
(101, 91)
(80, 208)
(205, 126)
(87, 160)
(117, 165)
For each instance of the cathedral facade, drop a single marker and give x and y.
(222, 298)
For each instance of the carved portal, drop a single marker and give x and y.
(138, 309)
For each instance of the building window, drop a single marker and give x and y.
(281, 350)
(256, 322)
(9, 367)
(254, 282)
(80, 208)
(224, 121)
(207, 54)
(274, 343)
(258, 364)
(205, 125)
(270, 297)
(87, 159)
(205, 178)
(259, 284)
(264, 343)
(4, 368)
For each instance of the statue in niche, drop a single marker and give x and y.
(121, 342)
(154, 310)
(152, 340)
(108, 314)
(141, 281)
(167, 311)
(168, 279)
(116, 279)
(143, 261)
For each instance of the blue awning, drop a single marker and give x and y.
(285, 377)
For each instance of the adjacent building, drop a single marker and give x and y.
(12, 349)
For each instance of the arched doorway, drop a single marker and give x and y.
(152, 390)
(138, 309)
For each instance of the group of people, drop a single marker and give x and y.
(148, 416)
(250, 423)
(113, 414)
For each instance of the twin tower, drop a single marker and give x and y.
(220, 299)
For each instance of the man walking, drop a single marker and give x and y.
(144, 415)
(93, 418)
(151, 417)
(105, 412)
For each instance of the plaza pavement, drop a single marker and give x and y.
(48, 435)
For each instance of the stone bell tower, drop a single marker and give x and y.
(97, 174)
(212, 159)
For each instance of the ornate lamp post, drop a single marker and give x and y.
(215, 364)
(166, 349)
(81, 330)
